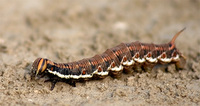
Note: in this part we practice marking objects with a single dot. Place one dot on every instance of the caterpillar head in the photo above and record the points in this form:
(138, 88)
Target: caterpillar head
(39, 66)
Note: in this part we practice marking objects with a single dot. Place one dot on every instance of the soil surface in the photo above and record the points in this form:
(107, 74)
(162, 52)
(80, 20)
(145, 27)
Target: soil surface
(66, 30)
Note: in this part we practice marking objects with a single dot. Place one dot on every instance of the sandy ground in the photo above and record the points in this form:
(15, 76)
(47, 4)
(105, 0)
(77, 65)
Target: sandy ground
(66, 30)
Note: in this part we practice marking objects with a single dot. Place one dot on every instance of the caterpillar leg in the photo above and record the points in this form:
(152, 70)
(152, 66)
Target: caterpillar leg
(147, 67)
(71, 82)
(53, 83)
(128, 70)
(116, 74)
(137, 68)
(55, 80)
(181, 63)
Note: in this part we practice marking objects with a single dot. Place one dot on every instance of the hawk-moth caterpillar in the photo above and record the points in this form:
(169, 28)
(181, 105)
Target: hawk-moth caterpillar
(112, 62)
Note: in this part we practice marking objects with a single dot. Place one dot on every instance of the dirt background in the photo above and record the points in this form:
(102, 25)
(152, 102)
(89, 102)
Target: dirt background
(66, 30)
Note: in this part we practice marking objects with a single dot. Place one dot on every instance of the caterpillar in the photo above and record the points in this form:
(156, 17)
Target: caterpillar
(126, 57)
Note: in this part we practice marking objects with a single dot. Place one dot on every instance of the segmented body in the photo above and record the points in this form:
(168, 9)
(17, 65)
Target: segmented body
(113, 61)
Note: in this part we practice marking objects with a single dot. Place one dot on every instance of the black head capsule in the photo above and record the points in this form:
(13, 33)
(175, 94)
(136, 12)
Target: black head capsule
(38, 67)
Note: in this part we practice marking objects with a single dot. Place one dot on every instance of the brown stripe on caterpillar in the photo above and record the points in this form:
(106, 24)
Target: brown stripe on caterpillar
(39, 66)
(135, 55)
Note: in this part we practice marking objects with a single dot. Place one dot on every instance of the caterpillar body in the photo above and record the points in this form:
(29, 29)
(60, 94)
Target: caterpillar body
(125, 57)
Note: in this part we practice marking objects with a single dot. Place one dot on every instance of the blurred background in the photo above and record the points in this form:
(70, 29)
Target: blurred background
(66, 30)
